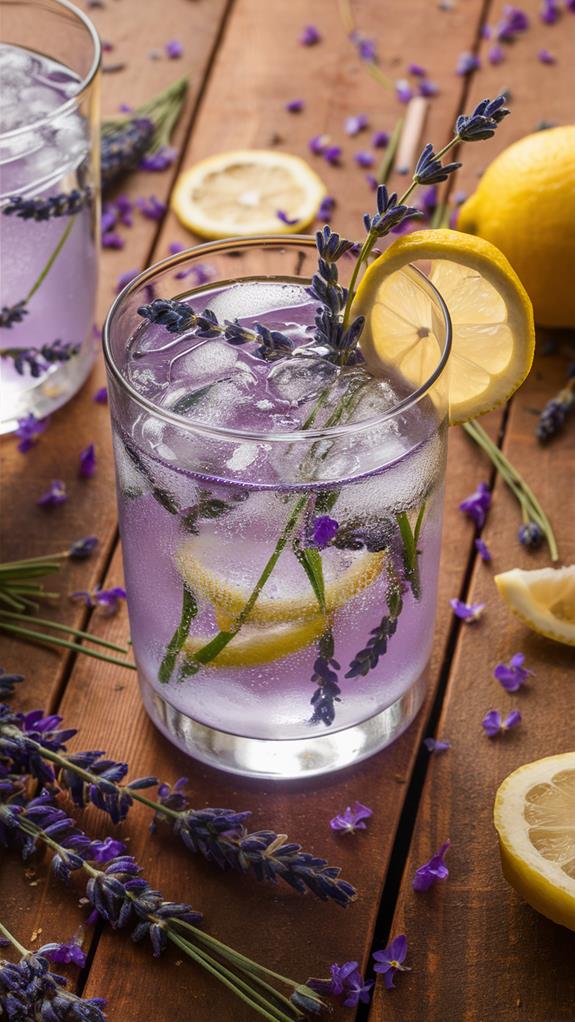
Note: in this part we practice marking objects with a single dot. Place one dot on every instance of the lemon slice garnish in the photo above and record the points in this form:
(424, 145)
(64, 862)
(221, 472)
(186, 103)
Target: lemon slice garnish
(493, 330)
(534, 816)
(254, 646)
(208, 565)
(241, 193)
(543, 598)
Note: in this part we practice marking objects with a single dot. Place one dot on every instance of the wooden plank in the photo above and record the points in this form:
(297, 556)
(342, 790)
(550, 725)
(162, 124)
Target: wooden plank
(91, 508)
(476, 950)
(252, 109)
(30, 905)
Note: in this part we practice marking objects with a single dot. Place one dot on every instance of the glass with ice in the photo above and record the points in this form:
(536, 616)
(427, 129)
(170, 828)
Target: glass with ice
(280, 514)
(49, 173)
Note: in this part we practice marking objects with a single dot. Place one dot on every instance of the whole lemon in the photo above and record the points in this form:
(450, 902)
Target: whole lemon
(525, 204)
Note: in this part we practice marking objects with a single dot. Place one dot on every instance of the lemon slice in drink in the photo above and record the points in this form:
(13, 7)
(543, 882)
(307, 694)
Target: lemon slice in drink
(492, 317)
(225, 577)
(254, 646)
(543, 598)
(241, 193)
(534, 816)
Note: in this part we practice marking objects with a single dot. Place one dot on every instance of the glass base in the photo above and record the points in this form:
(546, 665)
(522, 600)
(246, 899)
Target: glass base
(284, 759)
(49, 392)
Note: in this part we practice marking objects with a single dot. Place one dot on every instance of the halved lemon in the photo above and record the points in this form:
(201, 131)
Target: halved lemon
(543, 598)
(216, 573)
(492, 317)
(254, 646)
(534, 816)
(242, 192)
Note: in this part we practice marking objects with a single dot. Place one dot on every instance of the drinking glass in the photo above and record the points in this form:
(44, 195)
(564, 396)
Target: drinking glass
(49, 177)
(280, 520)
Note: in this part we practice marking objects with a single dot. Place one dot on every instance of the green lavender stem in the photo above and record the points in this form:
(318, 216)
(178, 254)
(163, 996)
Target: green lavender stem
(52, 259)
(50, 640)
(530, 507)
(15, 943)
(390, 151)
(409, 539)
(189, 611)
(78, 633)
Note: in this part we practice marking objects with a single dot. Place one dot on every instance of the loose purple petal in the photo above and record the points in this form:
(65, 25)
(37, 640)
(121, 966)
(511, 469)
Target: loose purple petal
(403, 90)
(87, 462)
(152, 208)
(352, 819)
(493, 724)
(174, 49)
(310, 36)
(111, 239)
(101, 396)
(429, 874)
(467, 63)
(55, 495)
(295, 106)
(380, 139)
(372, 182)
(496, 55)
(436, 745)
(364, 159)
(83, 548)
(546, 57)
(417, 70)
(468, 612)
(390, 961)
(160, 160)
(549, 12)
(354, 125)
(428, 88)
(332, 154)
(326, 208)
(483, 550)
(477, 505)
(28, 430)
(175, 247)
(285, 219)
(513, 675)
(317, 145)
(124, 279)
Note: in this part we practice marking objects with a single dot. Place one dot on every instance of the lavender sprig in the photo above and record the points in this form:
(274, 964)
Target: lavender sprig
(28, 990)
(325, 676)
(40, 208)
(123, 898)
(38, 360)
(368, 658)
(557, 411)
(32, 742)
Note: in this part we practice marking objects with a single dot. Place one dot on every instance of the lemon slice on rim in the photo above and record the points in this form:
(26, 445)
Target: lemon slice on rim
(492, 317)
(543, 598)
(208, 565)
(534, 816)
(241, 193)
(254, 646)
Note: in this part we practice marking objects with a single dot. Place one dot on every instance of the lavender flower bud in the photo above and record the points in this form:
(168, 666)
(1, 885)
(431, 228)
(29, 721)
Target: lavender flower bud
(530, 535)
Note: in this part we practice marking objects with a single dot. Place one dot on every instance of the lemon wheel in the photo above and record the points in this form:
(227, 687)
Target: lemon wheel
(544, 599)
(253, 647)
(534, 816)
(492, 318)
(241, 193)
(206, 565)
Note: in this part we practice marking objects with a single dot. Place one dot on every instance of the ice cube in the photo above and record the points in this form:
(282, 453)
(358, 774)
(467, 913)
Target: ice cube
(39, 100)
(254, 300)
(206, 362)
(298, 379)
(13, 60)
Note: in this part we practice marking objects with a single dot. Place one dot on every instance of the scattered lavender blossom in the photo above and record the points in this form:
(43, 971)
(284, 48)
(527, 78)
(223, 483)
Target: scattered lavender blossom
(403, 90)
(108, 599)
(427, 88)
(512, 675)
(432, 871)
(67, 953)
(285, 219)
(326, 208)
(175, 247)
(391, 959)
(310, 36)
(364, 159)
(332, 154)
(477, 505)
(83, 548)
(124, 279)
(55, 494)
(365, 46)
(496, 54)
(345, 982)
(417, 70)
(545, 56)
(483, 550)
(152, 208)
(87, 465)
(352, 819)
(101, 396)
(324, 531)
(467, 612)
(530, 535)
(111, 239)
(436, 745)
(174, 49)
(295, 106)
(493, 724)
(28, 430)
(549, 12)
(467, 63)
(372, 182)
(380, 139)
(354, 125)
(317, 144)
(513, 20)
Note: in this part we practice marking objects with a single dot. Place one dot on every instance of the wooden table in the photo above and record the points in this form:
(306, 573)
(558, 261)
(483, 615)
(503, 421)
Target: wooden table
(476, 951)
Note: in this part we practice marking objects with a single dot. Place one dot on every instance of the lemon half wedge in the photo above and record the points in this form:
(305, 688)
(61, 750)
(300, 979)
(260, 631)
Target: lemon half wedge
(534, 816)
(543, 598)
(252, 647)
(240, 193)
(492, 317)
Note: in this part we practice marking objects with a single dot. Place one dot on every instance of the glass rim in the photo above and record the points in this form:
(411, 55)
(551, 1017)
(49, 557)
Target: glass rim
(69, 104)
(222, 432)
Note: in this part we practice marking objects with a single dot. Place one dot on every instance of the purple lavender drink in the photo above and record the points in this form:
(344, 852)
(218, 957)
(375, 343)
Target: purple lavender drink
(48, 206)
(280, 519)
